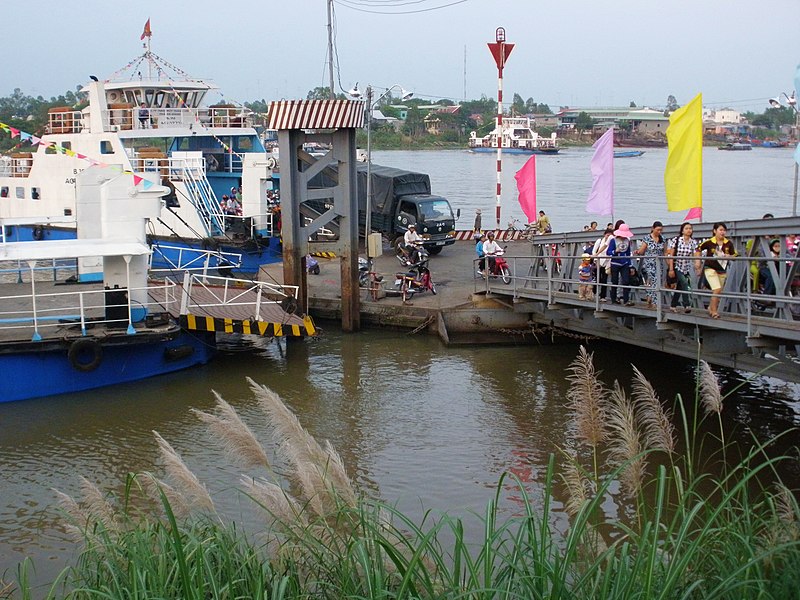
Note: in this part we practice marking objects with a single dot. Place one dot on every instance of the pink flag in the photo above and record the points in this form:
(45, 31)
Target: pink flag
(694, 213)
(601, 198)
(14, 132)
(137, 180)
(526, 185)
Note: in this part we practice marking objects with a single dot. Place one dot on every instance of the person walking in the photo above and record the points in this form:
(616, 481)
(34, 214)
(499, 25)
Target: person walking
(619, 249)
(716, 249)
(603, 262)
(652, 248)
(680, 250)
(476, 229)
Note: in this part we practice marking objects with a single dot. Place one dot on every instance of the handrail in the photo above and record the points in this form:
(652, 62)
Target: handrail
(233, 292)
(50, 311)
(193, 259)
(535, 275)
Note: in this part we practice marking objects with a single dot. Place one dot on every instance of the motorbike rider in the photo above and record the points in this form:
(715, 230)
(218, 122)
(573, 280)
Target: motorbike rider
(410, 240)
(490, 249)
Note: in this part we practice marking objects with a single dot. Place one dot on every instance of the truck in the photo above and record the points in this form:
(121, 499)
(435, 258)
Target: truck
(401, 198)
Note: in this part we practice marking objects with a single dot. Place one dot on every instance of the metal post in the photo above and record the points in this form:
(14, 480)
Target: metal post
(368, 224)
(794, 197)
(330, 47)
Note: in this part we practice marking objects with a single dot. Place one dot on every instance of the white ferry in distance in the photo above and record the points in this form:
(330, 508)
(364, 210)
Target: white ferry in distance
(517, 137)
(152, 117)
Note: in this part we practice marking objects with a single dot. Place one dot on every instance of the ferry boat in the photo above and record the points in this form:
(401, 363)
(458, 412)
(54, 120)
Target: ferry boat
(59, 336)
(736, 146)
(517, 137)
(152, 117)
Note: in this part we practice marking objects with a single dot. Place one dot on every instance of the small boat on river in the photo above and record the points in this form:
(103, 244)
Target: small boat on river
(627, 153)
(516, 137)
(736, 146)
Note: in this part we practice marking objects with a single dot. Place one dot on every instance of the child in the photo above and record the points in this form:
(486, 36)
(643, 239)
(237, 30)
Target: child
(585, 278)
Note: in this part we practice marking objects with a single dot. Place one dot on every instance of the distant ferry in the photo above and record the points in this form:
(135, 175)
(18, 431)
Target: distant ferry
(517, 137)
(736, 146)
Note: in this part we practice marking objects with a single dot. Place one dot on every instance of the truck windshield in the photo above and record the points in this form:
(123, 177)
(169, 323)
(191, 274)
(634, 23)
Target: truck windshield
(435, 210)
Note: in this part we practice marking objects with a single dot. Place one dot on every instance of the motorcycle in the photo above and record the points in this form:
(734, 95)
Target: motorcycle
(312, 265)
(417, 277)
(500, 266)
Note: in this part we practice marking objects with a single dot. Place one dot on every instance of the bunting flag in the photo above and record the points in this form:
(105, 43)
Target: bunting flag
(526, 185)
(694, 213)
(146, 32)
(601, 198)
(683, 175)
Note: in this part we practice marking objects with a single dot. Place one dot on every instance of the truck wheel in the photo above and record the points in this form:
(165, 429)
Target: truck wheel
(433, 250)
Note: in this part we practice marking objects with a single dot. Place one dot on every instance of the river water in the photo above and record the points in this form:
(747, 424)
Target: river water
(417, 423)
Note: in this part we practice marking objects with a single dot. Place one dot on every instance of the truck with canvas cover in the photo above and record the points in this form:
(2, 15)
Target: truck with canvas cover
(401, 198)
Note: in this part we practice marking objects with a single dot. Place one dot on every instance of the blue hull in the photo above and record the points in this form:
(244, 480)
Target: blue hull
(514, 150)
(37, 369)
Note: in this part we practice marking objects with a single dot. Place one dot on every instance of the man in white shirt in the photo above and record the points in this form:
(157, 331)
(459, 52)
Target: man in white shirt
(410, 240)
(490, 249)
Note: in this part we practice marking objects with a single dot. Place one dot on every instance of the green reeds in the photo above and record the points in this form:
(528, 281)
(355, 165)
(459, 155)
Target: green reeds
(677, 533)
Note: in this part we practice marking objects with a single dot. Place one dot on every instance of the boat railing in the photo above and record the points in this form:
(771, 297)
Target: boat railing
(181, 258)
(51, 269)
(261, 224)
(201, 293)
(64, 120)
(52, 313)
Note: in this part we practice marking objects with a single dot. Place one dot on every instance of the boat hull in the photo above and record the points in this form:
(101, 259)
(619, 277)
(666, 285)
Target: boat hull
(484, 150)
(48, 368)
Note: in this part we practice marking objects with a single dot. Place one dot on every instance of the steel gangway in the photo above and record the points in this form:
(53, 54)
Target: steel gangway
(205, 202)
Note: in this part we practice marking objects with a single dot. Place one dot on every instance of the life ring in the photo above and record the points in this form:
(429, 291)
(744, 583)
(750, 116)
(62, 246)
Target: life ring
(85, 354)
(271, 162)
(38, 233)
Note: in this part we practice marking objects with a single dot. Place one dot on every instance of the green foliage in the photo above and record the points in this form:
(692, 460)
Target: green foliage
(323, 93)
(30, 114)
(584, 121)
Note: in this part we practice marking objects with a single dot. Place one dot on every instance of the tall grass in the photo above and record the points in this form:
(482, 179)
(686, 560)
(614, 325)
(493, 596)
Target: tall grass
(679, 534)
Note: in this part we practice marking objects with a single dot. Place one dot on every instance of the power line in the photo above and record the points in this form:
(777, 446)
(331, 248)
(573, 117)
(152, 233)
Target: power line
(354, 5)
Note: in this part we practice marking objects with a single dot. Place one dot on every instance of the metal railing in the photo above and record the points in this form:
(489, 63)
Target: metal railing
(180, 258)
(127, 118)
(225, 291)
(55, 311)
(554, 278)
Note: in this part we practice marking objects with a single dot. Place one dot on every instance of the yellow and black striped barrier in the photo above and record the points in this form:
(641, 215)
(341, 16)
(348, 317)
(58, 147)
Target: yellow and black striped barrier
(262, 328)
(323, 254)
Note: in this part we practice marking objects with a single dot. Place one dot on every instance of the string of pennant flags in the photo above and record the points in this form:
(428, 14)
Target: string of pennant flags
(37, 141)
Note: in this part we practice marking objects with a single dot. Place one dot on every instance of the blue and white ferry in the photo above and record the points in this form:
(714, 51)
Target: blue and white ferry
(151, 117)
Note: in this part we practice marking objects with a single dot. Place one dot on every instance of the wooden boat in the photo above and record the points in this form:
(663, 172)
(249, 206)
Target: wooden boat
(627, 153)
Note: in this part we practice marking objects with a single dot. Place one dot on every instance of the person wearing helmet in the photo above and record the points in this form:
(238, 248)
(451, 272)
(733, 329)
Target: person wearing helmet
(410, 240)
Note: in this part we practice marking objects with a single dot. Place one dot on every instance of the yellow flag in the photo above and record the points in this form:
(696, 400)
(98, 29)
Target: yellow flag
(683, 175)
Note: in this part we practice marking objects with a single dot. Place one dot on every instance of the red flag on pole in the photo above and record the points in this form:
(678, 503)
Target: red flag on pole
(146, 32)
(526, 184)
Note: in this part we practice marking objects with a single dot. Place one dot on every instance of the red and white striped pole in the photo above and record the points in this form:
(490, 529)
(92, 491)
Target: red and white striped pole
(500, 50)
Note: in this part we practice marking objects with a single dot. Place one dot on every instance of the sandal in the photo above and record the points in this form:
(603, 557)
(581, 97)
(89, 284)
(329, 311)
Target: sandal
(714, 315)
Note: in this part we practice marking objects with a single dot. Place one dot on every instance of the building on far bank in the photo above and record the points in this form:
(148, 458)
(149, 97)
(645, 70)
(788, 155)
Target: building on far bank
(637, 120)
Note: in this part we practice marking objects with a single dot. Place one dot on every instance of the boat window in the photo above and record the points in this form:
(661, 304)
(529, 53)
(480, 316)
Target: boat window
(159, 99)
(35, 193)
(21, 193)
(245, 143)
(50, 150)
(148, 97)
(106, 147)
(4, 192)
(190, 99)
(66, 145)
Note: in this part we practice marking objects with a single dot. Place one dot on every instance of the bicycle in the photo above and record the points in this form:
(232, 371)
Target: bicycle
(526, 233)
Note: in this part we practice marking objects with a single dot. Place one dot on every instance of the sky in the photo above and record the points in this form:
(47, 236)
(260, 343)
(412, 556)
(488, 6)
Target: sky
(582, 53)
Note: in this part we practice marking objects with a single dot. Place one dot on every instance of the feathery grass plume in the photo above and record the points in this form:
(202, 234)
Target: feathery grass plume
(237, 439)
(625, 447)
(320, 473)
(654, 420)
(577, 485)
(710, 394)
(276, 501)
(97, 505)
(786, 510)
(154, 487)
(78, 518)
(182, 476)
(587, 398)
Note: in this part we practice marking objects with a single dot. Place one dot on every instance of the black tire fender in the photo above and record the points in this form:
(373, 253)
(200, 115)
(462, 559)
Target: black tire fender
(82, 349)
(38, 233)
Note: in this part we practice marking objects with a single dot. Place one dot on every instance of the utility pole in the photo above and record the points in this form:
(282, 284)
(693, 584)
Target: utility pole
(330, 47)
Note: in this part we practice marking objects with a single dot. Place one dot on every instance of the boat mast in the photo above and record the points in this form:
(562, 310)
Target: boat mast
(330, 47)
